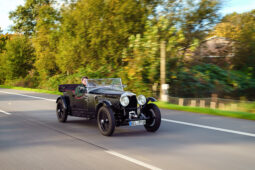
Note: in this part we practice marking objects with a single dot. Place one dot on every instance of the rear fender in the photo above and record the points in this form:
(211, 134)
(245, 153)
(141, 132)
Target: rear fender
(65, 101)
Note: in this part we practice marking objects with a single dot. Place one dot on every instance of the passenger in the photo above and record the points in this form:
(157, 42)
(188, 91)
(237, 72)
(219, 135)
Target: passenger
(81, 89)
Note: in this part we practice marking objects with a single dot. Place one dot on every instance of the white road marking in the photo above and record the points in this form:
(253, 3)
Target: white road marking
(42, 98)
(166, 120)
(163, 119)
(5, 112)
(209, 127)
(133, 160)
(127, 158)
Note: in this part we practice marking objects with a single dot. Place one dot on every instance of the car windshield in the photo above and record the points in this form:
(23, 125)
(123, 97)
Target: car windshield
(112, 83)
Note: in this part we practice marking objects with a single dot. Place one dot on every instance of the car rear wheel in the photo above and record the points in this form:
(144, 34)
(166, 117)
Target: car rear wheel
(106, 121)
(61, 112)
(153, 123)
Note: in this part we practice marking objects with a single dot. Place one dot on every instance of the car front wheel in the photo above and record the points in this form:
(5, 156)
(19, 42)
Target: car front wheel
(61, 112)
(153, 113)
(106, 121)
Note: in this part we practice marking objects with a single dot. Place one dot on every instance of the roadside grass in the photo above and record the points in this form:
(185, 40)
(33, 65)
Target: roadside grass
(31, 89)
(164, 105)
(234, 114)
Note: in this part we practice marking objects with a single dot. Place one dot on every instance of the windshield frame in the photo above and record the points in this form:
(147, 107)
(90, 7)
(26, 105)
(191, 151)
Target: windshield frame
(93, 84)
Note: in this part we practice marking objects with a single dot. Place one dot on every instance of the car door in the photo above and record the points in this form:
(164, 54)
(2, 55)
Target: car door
(79, 105)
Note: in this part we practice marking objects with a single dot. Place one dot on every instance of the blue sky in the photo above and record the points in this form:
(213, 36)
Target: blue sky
(229, 6)
(239, 6)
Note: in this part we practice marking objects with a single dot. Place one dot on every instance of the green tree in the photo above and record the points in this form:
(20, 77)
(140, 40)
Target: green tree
(94, 32)
(18, 58)
(45, 40)
(194, 18)
(25, 17)
(179, 24)
(3, 40)
(240, 29)
(141, 59)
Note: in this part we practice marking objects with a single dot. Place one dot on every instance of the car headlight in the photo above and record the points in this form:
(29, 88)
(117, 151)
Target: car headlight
(124, 100)
(141, 99)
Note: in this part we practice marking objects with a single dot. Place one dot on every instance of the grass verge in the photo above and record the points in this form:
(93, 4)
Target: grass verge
(30, 89)
(165, 105)
(241, 115)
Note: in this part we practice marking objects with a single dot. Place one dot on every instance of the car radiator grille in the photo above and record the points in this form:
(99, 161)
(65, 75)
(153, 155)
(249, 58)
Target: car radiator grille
(132, 102)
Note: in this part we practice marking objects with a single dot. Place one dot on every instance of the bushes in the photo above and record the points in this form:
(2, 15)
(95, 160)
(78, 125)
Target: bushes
(204, 79)
(244, 85)
(31, 80)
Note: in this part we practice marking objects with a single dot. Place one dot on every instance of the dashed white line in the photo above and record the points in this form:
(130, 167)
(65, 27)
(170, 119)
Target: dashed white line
(108, 151)
(210, 127)
(127, 158)
(5, 112)
(133, 160)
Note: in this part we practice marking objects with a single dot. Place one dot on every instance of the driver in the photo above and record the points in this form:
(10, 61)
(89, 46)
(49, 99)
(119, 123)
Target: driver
(82, 88)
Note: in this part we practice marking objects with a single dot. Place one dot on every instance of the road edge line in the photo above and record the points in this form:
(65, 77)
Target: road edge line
(210, 127)
(42, 98)
(163, 119)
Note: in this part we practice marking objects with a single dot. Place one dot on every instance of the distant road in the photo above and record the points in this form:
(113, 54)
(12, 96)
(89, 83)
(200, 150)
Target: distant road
(32, 138)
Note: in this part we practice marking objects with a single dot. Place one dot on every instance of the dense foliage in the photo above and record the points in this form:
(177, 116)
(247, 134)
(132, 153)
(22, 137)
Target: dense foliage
(206, 79)
(241, 29)
(121, 38)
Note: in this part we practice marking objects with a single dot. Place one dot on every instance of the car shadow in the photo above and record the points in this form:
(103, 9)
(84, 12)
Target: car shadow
(83, 122)
(120, 131)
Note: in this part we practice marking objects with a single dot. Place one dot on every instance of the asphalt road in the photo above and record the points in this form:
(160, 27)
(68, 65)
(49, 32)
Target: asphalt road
(32, 138)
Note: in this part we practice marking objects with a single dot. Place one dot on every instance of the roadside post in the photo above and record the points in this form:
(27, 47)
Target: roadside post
(164, 95)
(163, 86)
(181, 101)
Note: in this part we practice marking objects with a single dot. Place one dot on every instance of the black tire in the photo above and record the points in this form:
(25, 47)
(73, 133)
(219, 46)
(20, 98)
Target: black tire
(106, 121)
(61, 112)
(152, 111)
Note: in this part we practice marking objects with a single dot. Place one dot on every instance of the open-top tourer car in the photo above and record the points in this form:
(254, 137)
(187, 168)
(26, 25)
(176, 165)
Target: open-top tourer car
(107, 102)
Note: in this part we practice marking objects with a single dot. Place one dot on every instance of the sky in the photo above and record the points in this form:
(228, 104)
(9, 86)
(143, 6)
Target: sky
(229, 6)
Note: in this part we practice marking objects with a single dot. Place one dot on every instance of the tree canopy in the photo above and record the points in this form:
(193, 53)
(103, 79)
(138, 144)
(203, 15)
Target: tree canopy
(121, 38)
(241, 29)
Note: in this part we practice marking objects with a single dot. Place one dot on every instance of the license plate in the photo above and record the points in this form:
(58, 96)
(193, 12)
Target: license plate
(137, 122)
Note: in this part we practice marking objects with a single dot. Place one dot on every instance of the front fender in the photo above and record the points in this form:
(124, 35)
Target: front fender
(152, 99)
(103, 103)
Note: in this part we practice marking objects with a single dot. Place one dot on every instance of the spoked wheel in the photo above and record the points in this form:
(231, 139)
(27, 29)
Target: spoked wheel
(153, 123)
(61, 112)
(106, 121)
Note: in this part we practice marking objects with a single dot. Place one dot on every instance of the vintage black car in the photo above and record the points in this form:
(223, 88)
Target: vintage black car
(107, 102)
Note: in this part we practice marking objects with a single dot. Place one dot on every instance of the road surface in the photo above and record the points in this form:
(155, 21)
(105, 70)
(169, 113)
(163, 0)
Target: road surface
(32, 138)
